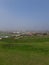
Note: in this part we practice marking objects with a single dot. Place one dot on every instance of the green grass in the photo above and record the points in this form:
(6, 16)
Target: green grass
(25, 51)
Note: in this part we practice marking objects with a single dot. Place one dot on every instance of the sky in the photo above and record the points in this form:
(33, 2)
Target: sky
(22, 15)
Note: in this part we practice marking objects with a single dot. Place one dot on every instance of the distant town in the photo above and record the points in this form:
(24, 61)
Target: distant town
(18, 35)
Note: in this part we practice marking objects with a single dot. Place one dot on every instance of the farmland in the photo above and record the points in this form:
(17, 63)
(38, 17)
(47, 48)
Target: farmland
(27, 50)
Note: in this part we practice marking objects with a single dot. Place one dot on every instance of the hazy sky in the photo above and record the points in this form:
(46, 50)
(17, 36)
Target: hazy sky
(24, 15)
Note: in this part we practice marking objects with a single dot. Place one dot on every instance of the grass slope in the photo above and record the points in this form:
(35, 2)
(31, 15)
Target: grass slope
(25, 51)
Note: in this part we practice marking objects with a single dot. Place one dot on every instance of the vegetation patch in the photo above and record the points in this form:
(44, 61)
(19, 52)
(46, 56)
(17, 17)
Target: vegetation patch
(24, 47)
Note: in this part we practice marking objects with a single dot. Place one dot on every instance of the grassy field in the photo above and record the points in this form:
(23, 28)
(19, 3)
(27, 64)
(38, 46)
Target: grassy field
(25, 51)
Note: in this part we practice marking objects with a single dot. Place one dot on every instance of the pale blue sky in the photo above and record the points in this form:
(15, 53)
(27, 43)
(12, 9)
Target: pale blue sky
(24, 15)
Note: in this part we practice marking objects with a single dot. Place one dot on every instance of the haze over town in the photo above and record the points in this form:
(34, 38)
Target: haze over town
(24, 15)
